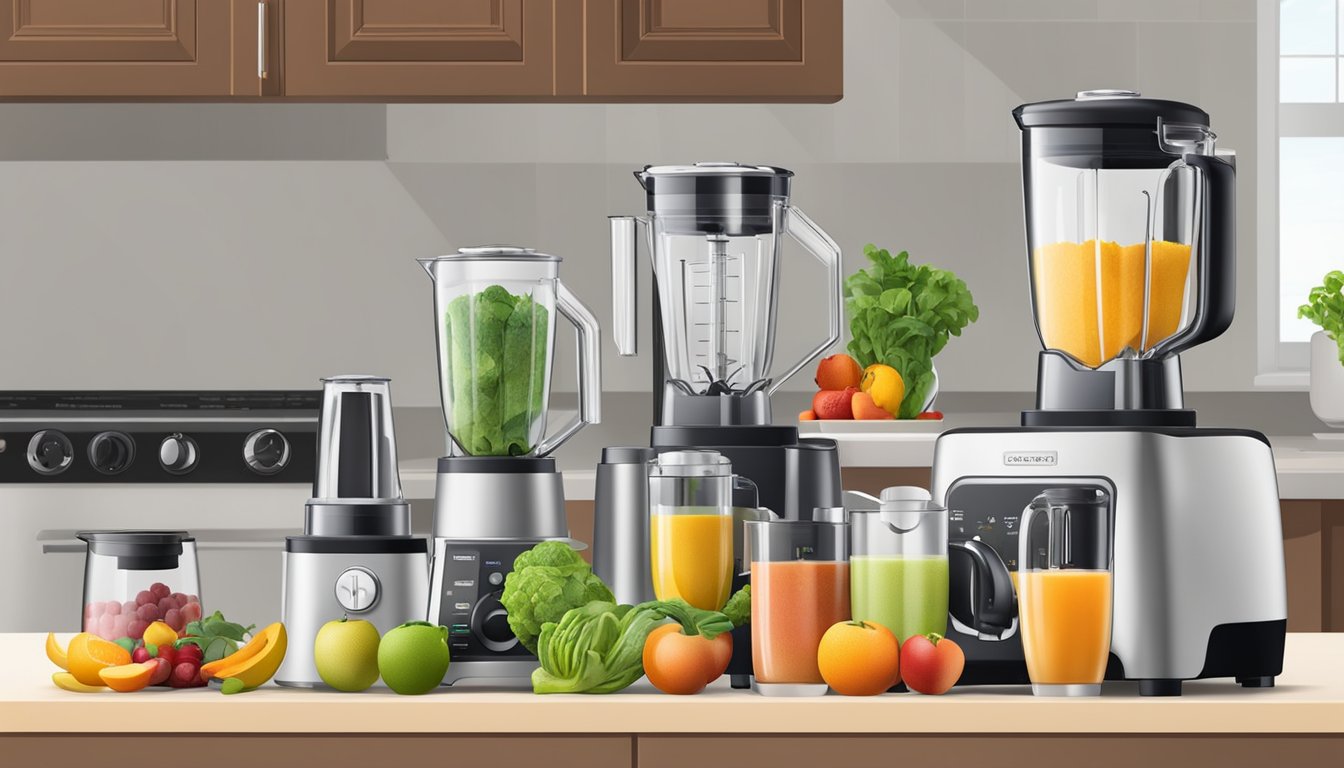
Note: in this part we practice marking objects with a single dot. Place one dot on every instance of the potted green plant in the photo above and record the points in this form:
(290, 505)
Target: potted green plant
(1325, 308)
(901, 315)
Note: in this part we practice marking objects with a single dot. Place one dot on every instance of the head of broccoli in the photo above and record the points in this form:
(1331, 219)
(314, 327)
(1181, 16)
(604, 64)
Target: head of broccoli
(547, 581)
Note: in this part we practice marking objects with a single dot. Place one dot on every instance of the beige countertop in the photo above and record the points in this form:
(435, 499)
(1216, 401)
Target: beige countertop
(1308, 467)
(1309, 699)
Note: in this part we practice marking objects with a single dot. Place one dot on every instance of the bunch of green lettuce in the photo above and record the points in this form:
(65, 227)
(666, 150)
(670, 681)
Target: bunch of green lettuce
(546, 582)
(599, 647)
(901, 315)
(1325, 307)
(497, 368)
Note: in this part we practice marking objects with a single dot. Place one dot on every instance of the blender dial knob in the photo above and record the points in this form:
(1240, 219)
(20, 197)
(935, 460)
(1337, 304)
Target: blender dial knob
(50, 452)
(495, 626)
(178, 454)
(266, 451)
(357, 589)
(111, 452)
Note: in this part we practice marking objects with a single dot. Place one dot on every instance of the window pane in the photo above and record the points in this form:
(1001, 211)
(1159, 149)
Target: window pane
(1306, 80)
(1307, 27)
(1311, 227)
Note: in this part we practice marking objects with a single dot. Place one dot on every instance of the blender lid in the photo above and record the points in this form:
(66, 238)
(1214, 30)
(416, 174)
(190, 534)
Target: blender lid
(355, 378)
(138, 550)
(1109, 107)
(715, 169)
(495, 253)
(690, 463)
(715, 179)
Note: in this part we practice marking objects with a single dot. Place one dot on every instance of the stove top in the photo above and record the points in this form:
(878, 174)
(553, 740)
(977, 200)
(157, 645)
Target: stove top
(160, 400)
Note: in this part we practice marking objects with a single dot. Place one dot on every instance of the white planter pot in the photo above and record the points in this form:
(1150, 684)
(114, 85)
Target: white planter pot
(1327, 380)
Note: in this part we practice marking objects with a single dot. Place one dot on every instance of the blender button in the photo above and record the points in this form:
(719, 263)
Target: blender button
(462, 606)
(460, 646)
(464, 583)
(461, 629)
(495, 578)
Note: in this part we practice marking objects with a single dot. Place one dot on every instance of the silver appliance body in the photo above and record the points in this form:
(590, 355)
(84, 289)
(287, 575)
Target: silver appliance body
(384, 587)
(487, 511)
(1199, 573)
(231, 467)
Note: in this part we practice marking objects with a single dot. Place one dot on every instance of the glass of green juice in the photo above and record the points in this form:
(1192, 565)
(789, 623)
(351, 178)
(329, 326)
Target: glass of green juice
(898, 563)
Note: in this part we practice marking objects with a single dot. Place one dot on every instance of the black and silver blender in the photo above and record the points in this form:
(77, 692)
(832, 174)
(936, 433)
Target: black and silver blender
(715, 238)
(498, 492)
(357, 557)
(1130, 218)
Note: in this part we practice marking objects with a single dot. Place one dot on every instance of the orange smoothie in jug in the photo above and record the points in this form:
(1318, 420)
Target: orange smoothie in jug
(692, 558)
(1066, 625)
(1089, 296)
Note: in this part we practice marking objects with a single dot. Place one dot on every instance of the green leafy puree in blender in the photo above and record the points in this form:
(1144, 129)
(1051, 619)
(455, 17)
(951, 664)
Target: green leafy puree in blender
(497, 364)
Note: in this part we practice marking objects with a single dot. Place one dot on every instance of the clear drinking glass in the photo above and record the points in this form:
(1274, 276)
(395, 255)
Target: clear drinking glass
(494, 310)
(898, 563)
(691, 521)
(1064, 590)
(799, 588)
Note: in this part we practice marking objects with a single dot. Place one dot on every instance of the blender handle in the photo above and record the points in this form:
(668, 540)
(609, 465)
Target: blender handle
(815, 239)
(590, 368)
(1217, 258)
(624, 284)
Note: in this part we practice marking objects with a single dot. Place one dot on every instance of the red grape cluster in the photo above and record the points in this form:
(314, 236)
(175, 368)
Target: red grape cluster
(111, 619)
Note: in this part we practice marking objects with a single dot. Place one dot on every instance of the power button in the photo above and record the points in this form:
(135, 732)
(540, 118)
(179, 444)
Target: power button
(495, 578)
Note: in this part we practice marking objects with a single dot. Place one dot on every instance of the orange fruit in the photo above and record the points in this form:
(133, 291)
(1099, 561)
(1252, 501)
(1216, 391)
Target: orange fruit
(859, 658)
(67, 681)
(89, 654)
(885, 385)
(808, 415)
(126, 678)
(838, 372)
(56, 653)
(865, 409)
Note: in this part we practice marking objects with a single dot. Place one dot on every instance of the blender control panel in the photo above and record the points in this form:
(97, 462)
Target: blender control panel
(471, 583)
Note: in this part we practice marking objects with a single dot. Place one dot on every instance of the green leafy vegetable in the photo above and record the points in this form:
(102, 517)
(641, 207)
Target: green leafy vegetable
(738, 608)
(1325, 307)
(497, 368)
(902, 315)
(547, 581)
(217, 637)
(599, 647)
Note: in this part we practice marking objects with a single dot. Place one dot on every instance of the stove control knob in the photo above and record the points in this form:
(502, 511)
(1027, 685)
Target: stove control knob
(178, 454)
(266, 451)
(111, 452)
(491, 624)
(357, 589)
(50, 452)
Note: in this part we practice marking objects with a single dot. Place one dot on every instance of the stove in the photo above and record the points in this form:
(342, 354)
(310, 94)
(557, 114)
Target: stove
(234, 468)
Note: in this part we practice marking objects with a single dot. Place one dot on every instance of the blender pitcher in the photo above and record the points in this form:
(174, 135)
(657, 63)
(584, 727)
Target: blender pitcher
(494, 311)
(714, 234)
(898, 563)
(1130, 239)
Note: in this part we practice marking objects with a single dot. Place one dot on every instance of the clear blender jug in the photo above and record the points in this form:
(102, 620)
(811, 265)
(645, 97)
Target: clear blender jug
(1130, 221)
(715, 232)
(494, 313)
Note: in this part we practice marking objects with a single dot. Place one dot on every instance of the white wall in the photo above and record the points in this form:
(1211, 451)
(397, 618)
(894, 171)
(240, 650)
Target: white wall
(264, 246)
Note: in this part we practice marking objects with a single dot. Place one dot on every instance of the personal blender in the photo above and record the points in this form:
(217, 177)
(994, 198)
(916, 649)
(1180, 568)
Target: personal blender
(498, 492)
(715, 238)
(1130, 223)
(357, 557)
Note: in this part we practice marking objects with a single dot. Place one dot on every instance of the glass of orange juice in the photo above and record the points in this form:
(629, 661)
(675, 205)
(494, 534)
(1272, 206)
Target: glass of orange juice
(1064, 590)
(691, 526)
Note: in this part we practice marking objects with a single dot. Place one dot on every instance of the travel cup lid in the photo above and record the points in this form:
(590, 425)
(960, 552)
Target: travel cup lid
(690, 463)
(138, 550)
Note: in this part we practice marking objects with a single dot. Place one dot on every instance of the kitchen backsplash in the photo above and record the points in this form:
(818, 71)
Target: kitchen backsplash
(144, 261)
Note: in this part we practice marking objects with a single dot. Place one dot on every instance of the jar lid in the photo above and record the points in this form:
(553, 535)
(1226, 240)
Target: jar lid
(494, 253)
(1108, 108)
(138, 550)
(690, 463)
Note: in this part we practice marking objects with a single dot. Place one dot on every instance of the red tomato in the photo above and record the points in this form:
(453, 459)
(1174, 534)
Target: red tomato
(927, 415)
(684, 664)
(931, 663)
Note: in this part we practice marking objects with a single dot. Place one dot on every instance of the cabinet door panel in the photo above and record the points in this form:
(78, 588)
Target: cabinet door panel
(768, 50)
(115, 48)
(411, 48)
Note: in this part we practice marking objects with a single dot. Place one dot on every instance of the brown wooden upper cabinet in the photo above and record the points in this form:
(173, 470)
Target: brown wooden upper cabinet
(430, 50)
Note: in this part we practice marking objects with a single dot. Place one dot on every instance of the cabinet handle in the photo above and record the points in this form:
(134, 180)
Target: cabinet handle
(261, 40)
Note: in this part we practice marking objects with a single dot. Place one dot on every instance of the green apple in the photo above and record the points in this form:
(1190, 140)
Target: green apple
(413, 658)
(346, 654)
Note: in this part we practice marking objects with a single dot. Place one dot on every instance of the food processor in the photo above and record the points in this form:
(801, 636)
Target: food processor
(356, 557)
(716, 234)
(1130, 221)
(498, 492)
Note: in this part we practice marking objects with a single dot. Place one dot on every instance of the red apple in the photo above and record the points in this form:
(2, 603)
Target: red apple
(931, 663)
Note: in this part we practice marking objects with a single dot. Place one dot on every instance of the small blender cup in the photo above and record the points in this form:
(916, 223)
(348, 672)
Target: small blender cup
(898, 563)
(691, 522)
(799, 588)
(1064, 590)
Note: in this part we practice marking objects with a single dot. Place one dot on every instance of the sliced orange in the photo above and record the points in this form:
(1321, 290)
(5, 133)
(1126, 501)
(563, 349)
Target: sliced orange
(68, 682)
(89, 654)
(126, 678)
(56, 653)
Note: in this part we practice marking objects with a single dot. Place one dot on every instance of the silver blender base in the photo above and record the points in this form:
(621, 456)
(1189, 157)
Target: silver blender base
(1068, 689)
